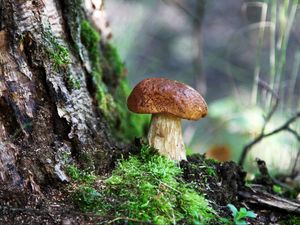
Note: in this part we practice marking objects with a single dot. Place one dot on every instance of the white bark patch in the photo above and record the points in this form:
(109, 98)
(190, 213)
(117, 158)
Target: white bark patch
(54, 17)
(26, 16)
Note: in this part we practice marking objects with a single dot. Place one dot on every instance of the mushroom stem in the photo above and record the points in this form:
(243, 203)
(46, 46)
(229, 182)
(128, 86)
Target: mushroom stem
(166, 136)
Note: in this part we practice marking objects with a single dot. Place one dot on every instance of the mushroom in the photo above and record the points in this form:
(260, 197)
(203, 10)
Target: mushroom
(168, 101)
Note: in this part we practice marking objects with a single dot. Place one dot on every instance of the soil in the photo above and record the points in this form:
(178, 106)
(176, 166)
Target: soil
(219, 182)
(223, 187)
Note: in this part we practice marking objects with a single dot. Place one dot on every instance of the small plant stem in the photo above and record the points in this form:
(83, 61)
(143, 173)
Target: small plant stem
(286, 31)
(264, 9)
(272, 57)
(293, 79)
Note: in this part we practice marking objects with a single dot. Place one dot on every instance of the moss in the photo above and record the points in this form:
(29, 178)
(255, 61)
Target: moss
(290, 220)
(73, 13)
(60, 57)
(73, 82)
(131, 124)
(146, 187)
(85, 197)
(128, 125)
(58, 53)
(112, 102)
(90, 39)
(86, 160)
(112, 62)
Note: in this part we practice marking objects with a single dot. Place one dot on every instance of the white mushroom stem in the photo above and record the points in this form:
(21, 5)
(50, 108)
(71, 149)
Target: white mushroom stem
(165, 135)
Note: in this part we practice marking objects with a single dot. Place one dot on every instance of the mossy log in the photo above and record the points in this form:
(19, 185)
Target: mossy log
(55, 96)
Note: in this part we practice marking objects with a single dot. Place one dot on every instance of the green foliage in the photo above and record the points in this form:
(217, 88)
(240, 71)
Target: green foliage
(90, 38)
(113, 60)
(87, 198)
(128, 125)
(277, 189)
(239, 216)
(146, 187)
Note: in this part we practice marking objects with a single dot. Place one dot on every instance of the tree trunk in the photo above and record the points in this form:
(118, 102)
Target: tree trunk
(57, 83)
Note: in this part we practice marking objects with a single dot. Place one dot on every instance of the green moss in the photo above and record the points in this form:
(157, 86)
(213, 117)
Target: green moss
(125, 125)
(85, 196)
(112, 61)
(80, 175)
(72, 81)
(131, 124)
(147, 187)
(58, 53)
(90, 39)
(60, 57)
(86, 160)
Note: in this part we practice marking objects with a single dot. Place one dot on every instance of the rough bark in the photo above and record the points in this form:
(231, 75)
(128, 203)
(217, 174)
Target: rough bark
(48, 110)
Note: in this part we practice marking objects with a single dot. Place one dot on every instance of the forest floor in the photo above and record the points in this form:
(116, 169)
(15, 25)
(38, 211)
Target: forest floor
(220, 183)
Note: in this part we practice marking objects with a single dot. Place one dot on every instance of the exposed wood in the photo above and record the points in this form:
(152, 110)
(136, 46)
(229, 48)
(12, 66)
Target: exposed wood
(257, 196)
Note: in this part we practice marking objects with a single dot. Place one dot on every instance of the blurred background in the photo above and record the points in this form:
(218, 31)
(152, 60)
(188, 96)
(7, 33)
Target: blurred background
(242, 56)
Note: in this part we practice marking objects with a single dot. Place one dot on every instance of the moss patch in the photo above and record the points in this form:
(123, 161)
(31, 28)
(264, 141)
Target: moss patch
(147, 187)
(131, 125)
(126, 125)
(91, 40)
(112, 87)
(60, 57)
(58, 53)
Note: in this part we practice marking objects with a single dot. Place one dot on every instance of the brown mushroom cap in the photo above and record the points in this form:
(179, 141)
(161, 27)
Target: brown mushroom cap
(160, 95)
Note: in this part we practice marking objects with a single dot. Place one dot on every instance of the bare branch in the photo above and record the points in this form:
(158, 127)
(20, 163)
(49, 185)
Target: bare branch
(284, 127)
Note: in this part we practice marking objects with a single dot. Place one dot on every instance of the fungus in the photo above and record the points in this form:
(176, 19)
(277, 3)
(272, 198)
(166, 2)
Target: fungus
(168, 101)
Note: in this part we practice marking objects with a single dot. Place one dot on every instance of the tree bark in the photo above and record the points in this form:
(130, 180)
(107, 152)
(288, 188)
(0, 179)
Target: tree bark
(49, 112)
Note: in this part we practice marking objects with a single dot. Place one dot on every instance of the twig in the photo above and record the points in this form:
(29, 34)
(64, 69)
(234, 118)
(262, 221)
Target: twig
(127, 219)
(284, 127)
(257, 196)
(263, 134)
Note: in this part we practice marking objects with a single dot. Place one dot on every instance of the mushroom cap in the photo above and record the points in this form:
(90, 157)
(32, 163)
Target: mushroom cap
(160, 95)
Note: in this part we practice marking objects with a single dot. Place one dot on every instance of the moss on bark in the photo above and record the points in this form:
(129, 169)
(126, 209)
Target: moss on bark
(112, 88)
